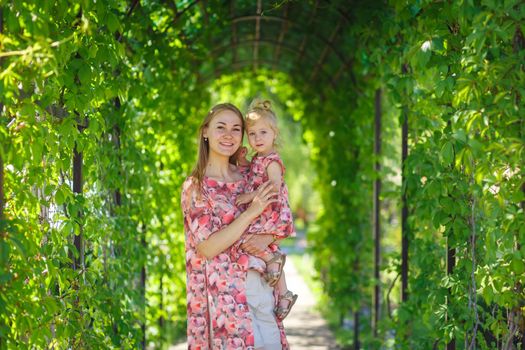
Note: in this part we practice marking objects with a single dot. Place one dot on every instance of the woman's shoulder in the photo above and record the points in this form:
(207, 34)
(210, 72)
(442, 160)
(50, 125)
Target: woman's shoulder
(189, 187)
(189, 183)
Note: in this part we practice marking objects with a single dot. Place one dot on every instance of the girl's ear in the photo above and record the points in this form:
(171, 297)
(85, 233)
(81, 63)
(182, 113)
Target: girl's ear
(205, 132)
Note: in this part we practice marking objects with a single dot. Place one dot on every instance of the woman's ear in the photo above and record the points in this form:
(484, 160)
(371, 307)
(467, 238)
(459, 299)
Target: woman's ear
(205, 132)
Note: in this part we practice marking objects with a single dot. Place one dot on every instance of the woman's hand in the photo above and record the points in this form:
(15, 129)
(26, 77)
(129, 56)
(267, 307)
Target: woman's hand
(244, 198)
(264, 196)
(255, 244)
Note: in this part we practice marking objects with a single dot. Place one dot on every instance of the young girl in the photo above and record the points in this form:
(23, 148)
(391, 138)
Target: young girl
(261, 127)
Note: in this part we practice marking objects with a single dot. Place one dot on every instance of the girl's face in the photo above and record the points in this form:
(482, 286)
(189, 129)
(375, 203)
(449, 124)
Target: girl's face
(224, 133)
(261, 136)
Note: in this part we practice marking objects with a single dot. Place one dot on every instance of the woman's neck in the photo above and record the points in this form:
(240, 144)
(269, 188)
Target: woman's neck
(218, 167)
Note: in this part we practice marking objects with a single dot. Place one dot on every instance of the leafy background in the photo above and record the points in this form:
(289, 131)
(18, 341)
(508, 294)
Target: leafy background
(117, 86)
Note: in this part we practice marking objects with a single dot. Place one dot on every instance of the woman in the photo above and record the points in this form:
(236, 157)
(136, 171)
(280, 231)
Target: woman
(217, 268)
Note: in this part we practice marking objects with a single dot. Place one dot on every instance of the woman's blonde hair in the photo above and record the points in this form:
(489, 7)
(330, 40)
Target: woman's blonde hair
(262, 109)
(204, 147)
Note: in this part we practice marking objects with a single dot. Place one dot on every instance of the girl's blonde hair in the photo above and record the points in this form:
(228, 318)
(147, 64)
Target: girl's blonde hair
(204, 147)
(262, 109)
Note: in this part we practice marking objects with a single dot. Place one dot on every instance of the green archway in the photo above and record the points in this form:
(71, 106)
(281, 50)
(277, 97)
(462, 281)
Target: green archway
(98, 100)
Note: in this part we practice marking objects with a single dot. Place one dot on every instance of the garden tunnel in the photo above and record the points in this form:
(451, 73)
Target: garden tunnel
(413, 112)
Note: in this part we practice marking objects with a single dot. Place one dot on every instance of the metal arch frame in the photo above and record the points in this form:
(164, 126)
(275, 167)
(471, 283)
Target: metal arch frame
(328, 43)
(286, 23)
(310, 21)
(257, 34)
(284, 30)
(292, 24)
(289, 48)
(264, 42)
(343, 15)
(246, 63)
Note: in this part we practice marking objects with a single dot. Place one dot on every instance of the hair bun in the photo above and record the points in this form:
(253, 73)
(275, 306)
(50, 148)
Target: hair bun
(261, 104)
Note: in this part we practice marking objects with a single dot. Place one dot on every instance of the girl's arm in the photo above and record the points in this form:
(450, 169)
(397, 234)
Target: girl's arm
(219, 241)
(275, 174)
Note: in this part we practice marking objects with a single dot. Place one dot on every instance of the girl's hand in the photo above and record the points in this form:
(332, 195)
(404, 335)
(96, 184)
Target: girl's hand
(241, 158)
(243, 152)
(264, 196)
(244, 198)
(256, 244)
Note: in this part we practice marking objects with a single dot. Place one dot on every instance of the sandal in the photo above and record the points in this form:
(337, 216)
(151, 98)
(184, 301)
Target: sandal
(282, 312)
(273, 276)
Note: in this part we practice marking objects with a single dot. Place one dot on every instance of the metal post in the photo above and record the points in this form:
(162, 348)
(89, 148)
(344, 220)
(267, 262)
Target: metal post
(357, 346)
(404, 210)
(451, 263)
(143, 286)
(77, 189)
(377, 212)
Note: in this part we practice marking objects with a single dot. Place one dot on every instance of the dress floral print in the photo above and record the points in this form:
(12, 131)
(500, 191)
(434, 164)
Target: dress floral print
(277, 217)
(218, 314)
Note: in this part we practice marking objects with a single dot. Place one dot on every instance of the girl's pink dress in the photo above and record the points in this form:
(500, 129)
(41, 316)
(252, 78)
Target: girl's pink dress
(218, 314)
(277, 217)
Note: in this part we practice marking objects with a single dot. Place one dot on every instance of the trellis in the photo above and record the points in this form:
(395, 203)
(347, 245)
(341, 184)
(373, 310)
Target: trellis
(318, 44)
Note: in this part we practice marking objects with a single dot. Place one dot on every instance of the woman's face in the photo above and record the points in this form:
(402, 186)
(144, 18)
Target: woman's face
(224, 133)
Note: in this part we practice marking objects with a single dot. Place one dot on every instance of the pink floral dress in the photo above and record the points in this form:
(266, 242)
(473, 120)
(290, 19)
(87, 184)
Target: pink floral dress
(277, 217)
(218, 314)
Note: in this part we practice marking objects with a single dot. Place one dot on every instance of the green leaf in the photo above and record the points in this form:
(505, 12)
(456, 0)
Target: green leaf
(112, 22)
(19, 244)
(84, 74)
(517, 265)
(460, 136)
(59, 197)
(93, 49)
(447, 152)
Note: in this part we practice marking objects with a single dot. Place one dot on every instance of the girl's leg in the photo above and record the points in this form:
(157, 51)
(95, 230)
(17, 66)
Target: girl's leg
(281, 286)
(267, 335)
(285, 300)
(274, 267)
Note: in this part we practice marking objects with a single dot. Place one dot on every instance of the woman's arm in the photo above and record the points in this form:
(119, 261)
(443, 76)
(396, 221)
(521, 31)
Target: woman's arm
(218, 241)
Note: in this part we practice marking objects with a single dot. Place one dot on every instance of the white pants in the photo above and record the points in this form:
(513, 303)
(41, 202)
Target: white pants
(261, 303)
